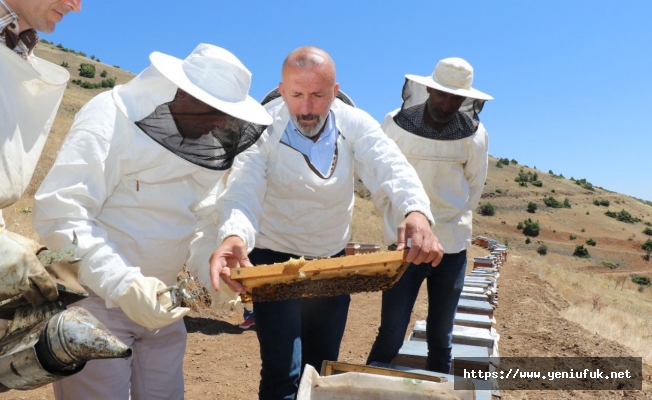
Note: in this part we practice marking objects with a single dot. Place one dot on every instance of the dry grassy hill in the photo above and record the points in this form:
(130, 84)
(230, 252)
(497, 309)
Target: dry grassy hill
(616, 242)
(550, 305)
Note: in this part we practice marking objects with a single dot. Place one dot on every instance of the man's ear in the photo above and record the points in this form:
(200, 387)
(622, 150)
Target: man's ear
(336, 89)
(280, 89)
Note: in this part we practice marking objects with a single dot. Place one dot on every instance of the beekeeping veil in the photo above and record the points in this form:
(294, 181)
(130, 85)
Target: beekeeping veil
(213, 76)
(29, 98)
(451, 75)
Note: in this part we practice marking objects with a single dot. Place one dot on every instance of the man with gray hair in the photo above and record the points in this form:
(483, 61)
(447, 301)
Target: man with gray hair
(291, 195)
(439, 131)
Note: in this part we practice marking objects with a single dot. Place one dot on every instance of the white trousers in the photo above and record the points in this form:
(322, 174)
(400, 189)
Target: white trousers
(154, 371)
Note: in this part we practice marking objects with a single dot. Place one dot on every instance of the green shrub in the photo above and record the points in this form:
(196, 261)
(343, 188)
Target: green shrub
(531, 228)
(65, 64)
(572, 237)
(514, 161)
(531, 207)
(641, 280)
(104, 73)
(567, 203)
(647, 231)
(647, 245)
(519, 226)
(499, 191)
(604, 203)
(552, 202)
(623, 216)
(527, 240)
(504, 161)
(581, 252)
(537, 183)
(487, 209)
(542, 249)
(108, 83)
(87, 70)
(609, 264)
(596, 203)
(584, 184)
(591, 242)
(499, 164)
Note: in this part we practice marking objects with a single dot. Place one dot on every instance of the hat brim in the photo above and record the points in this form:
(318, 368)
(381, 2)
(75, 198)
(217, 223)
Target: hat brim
(248, 109)
(428, 81)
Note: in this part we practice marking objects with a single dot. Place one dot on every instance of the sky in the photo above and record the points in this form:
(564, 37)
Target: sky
(571, 79)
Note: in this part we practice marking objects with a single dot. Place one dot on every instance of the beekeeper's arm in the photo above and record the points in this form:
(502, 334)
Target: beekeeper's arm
(383, 168)
(201, 250)
(239, 208)
(475, 168)
(84, 175)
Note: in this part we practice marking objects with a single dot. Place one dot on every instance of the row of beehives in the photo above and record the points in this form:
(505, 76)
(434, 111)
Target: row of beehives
(474, 337)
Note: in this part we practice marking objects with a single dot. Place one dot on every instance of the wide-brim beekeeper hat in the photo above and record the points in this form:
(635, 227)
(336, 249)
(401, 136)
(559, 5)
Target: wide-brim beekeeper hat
(452, 75)
(216, 77)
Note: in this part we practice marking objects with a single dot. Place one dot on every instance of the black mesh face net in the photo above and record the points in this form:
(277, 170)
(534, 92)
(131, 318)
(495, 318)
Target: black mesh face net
(415, 94)
(214, 150)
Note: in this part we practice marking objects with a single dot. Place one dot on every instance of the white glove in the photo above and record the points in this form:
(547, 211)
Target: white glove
(225, 298)
(21, 272)
(142, 305)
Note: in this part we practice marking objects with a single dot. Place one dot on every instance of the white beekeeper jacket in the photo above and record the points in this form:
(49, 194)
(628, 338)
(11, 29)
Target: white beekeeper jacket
(29, 98)
(276, 200)
(453, 173)
(136, 207)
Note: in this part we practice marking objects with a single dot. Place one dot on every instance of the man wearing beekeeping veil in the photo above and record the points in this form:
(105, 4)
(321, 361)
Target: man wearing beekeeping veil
(31, 90)
(136, 179)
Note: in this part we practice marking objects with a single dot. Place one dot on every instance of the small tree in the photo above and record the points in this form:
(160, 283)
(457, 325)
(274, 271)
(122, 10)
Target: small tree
(527, 240)
(531, 228)
(531, 207)
(581, 252)
(87, 70)
(647, 245)
(567, 203)
(542, 249)
(103, 74)
(487, 209)
(591, 242)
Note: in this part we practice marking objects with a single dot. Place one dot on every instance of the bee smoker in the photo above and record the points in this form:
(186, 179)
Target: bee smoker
(49, 342)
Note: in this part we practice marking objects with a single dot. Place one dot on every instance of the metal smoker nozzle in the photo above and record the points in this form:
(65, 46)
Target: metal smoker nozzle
(45, 347)
(74, 336)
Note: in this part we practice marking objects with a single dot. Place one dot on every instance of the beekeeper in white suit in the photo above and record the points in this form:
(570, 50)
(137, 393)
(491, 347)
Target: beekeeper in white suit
(136, 178)
(29, 97)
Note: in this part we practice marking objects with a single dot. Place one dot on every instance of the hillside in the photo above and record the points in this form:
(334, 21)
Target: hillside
(549, 305)
(617, 242)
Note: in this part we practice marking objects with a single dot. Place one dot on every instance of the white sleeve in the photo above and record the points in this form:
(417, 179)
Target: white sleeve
(85, 173)
(382, 167)
(475, 169)
(240, 206)
(203, 245)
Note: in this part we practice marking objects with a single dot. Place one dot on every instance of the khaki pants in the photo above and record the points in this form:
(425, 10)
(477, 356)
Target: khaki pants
(154, 371)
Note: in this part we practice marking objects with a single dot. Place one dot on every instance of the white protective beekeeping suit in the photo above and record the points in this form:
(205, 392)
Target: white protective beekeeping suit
(29, 98)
